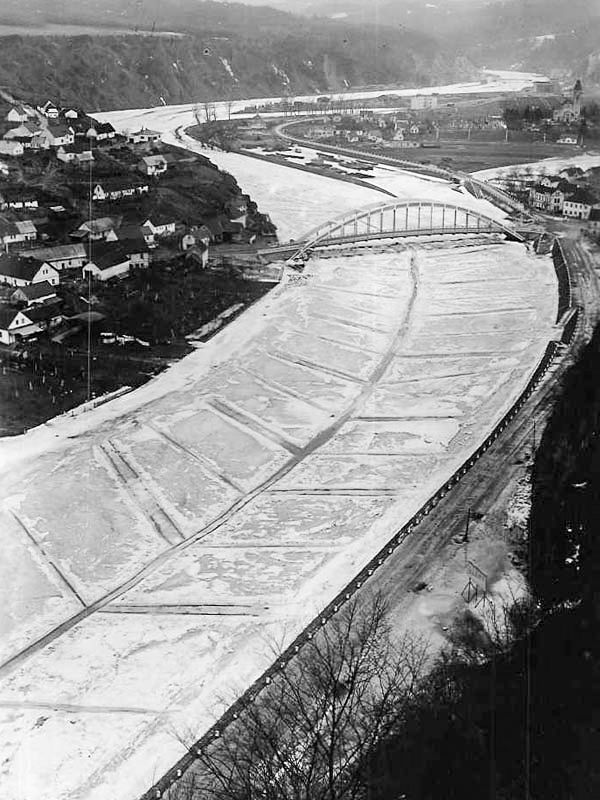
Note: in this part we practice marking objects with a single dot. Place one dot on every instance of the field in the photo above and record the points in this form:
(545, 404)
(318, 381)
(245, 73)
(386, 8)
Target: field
(174, 537)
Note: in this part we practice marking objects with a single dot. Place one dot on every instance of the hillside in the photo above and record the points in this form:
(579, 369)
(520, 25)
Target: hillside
(111, 72)
(537, 35)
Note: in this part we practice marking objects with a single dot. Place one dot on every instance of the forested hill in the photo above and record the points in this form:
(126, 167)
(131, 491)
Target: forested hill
(109, 71)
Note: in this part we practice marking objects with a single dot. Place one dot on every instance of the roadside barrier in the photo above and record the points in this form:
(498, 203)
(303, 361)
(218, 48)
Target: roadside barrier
(564, 281)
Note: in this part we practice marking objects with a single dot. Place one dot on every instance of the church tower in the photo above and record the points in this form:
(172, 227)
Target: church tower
(577, 93)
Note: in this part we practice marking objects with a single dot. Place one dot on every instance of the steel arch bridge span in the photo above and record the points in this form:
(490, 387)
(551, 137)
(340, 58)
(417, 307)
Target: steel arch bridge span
(403, 218)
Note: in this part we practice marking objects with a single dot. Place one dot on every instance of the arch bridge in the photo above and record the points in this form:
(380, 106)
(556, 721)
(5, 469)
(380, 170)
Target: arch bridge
(399, 219)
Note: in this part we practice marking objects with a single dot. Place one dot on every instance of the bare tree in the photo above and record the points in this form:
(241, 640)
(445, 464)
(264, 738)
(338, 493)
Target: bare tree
(308, 734)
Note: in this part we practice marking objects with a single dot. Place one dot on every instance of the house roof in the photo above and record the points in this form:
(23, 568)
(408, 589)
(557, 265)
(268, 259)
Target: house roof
(107, 255)
(37, 290)
(133, 245)
(7, 315)
(583, 196)
(26, 226)
(22, 131)
(153, 161)
(41, 312)
(595, 215)
(100, 225)
(103, 127)
(59, 130)
(145, 132)
(18, 267)
(58, 252)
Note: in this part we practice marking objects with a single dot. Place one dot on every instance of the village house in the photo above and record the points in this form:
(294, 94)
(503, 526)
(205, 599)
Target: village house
(61, 256)
(97, 229)
(22, 133)
(34, 294)
(17, 197)
(143, 136)
(12, 233)
(79, 153)
(104, 131)
(579, 205)
(17, 114)
(546, 196)
(136, 249)
(49, 110)
(153, 165)
(4, 169)
(11, 148)
(594, 222)
(106, 262)
(60, 135)
(69, 113)
(16, 325)
(19, 271)
(119, 188)
(160, 224)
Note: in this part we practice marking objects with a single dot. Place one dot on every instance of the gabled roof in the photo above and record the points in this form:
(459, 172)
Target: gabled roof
(153, 161)
(103, 127)
(7, 315)
(41, 312)
(59, 130)
(58, 253)
(595, 215)
(100, 225)
(37, 290)
(584, 196)
(18, 267)
(26, 226)
(107, 255)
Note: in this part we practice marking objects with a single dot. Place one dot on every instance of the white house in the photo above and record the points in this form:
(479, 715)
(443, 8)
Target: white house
(96, 229)
(579, 205)
(49, 110)
(17, 114)
(22, 133)
(143, 136)
(75, 153)
(60, 135)
(153, 165)
(27, 322)
(11, 148)
(106, 263)
(160, 225)
(19, 271)
(34, 294)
